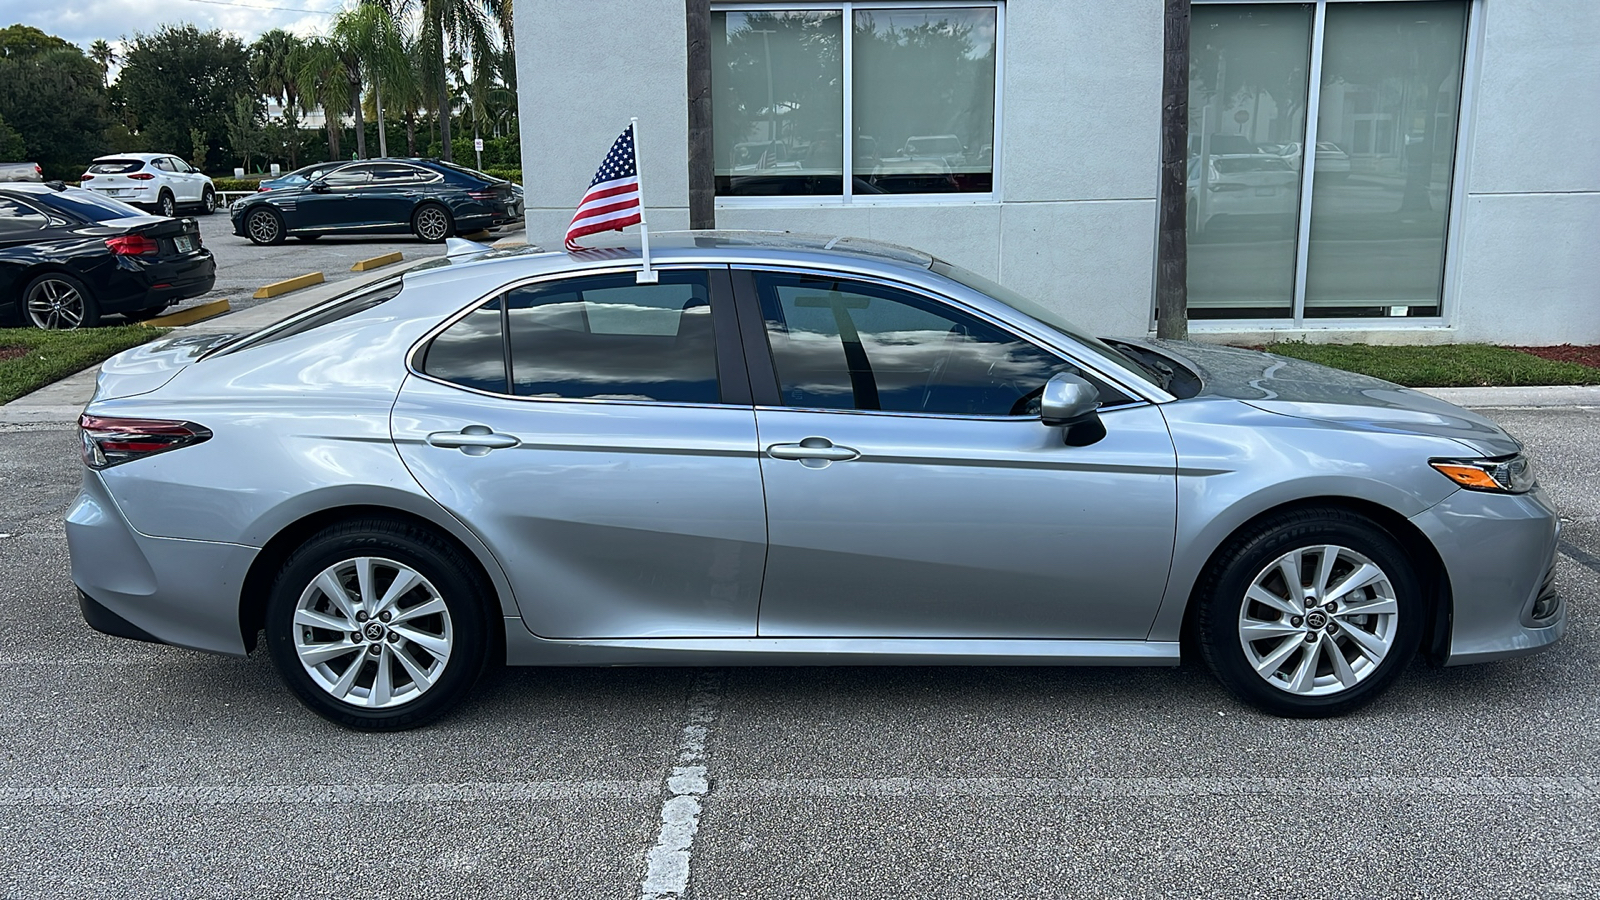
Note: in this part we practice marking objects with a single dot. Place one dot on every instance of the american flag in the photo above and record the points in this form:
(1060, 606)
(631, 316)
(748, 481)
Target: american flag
(612, 202)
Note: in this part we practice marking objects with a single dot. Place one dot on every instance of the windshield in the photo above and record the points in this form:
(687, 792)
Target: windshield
(116, 166)
(1048, 316)
(91, 206)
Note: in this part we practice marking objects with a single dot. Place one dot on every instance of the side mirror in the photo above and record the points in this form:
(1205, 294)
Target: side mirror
(1073, 404)
(319, 187)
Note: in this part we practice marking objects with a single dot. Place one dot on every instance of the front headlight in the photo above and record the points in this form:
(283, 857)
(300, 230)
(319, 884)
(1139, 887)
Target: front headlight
(1502, 475)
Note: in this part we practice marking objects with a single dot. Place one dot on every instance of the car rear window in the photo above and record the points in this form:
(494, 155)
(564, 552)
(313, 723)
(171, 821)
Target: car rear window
(338, 308)
(116, 166)
(90, 206)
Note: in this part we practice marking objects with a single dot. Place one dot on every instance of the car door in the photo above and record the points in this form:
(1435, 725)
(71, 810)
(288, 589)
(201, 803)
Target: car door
(337, 201)
(194, 181)
(172, 175)
(22, 228)
(598, 435)
(912, 490)
(393, 191)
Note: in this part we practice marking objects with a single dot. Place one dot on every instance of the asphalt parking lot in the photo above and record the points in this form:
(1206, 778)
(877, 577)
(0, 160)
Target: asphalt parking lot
(132, 770)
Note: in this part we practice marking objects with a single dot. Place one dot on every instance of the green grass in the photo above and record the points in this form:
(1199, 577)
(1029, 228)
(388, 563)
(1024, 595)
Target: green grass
(53, 355)
(1448, 365)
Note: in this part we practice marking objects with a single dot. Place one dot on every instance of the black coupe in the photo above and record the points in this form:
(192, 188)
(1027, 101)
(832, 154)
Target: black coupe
(68, 255)
(428, 198)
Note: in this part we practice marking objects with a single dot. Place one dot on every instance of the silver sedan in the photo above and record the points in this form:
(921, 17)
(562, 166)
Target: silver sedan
(775, 449)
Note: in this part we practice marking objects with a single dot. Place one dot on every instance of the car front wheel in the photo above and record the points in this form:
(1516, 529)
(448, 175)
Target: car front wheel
(1310, 613)
(264, 227)
(378, 625)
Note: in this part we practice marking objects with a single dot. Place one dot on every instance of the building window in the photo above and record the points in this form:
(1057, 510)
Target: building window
(900, 102)
(1375, 88)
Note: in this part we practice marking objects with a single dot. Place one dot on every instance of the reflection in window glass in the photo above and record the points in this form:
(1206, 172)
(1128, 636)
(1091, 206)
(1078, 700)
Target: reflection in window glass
(844, 345)
(607, 337)
(471, 352)
(15, 217)
(1247, 104)
(924, 99)
(777, 87)
(1386, 138)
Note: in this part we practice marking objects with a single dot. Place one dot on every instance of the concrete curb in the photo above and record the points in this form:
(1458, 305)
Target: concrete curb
(268, 291)
(1574, 396)
(189, 316)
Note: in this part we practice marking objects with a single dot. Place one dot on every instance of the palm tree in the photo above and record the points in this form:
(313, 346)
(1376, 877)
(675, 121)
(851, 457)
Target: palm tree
(101, 52)
(272, 66)
(468, 27)
(321, 79)
(370, 34)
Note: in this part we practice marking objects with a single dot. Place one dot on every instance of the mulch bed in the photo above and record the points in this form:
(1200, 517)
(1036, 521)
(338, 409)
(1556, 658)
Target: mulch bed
(1583, 356)
(12, 353)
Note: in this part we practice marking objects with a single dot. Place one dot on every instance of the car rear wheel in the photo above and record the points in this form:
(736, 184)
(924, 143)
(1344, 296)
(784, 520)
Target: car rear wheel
(208, 202)
(1310, 613)
(264, 227)
(58, 302)
(167, 205)
(378, 625)
(432, 223)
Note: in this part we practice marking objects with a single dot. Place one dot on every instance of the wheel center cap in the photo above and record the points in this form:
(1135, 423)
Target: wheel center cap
(1316, 619)
(374, 631)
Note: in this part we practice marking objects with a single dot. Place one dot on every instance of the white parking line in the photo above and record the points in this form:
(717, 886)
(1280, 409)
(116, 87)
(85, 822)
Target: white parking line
(667, 863)
(1101, 788)
(228, 795)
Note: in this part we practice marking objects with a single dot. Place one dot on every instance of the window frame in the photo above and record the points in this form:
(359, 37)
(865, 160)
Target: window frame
(848, 197)
(1449, 291)
(763, 366)
(733, 380)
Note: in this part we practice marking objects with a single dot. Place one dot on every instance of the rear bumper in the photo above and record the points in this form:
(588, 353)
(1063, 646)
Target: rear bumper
(1498, 552)
(135, 283)
(172, 591)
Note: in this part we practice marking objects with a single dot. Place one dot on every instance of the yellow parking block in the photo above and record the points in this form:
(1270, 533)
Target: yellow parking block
(188, 316)
(377, 261)
(291, 284)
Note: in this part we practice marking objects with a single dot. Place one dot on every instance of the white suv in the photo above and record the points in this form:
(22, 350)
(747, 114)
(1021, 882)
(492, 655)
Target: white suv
(159, 181)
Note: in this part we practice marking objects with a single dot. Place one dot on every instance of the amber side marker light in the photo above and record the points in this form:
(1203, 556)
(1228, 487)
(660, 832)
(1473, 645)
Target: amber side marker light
(1467, 476)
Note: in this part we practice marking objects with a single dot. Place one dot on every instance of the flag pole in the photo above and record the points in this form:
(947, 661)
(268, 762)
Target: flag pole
(646, 274)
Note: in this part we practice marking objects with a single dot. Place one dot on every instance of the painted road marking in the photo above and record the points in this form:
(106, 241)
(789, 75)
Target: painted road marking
(667, 863)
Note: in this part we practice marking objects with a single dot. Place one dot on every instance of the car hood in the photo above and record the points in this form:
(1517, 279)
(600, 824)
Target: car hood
(149, 366)
(1293, 387)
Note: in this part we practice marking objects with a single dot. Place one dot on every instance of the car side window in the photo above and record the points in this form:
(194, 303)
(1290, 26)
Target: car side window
(472, 352)
(350, 176)
(399, 174)
(839, 344)
(18, 218)
(606, 337)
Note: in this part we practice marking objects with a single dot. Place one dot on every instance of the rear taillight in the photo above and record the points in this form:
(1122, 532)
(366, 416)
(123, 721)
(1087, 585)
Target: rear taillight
(486, 196)
(133, 245)
(262, 190)
(86, 177)
(141, 176)
(109, 441)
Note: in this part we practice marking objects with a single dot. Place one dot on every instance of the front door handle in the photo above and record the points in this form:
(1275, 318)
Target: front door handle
(814, 452)
(473, 440)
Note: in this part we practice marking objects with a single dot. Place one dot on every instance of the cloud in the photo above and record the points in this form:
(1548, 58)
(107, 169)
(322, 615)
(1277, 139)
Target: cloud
(84, 21)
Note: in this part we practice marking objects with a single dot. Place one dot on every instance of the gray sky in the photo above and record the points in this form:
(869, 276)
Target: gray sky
(82, 21)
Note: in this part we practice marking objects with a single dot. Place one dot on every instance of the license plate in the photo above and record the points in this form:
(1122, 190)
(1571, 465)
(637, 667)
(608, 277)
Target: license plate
(185, 243)
(116, 192)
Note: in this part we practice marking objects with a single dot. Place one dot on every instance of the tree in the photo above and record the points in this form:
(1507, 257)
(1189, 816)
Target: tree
(179, 80)
(272, 67)
(101, 52)
(369, 34)
(244, 130)
(11, 144)
(465, 27)
(54, 98)
(320, 78)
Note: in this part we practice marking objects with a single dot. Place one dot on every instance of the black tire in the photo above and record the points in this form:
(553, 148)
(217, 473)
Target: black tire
(465, 624)
(149, 312)
(56, 301)
(167, 205)
(432, 223)
(1251, 556)
(208, 202)
(264, 227)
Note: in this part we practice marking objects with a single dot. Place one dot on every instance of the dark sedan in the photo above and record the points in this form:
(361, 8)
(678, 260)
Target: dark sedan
(67, 256)
(430, 199)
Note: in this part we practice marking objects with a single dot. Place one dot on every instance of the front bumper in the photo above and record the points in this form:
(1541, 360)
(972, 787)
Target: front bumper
(179, 592)
(1498, 552)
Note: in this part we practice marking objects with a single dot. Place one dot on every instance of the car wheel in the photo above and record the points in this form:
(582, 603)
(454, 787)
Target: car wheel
(167, 205)
(149, 312)
(378, 625)
(56, 301)
(1310, 613)
(264, 227)
(432, 223)
(208, 202)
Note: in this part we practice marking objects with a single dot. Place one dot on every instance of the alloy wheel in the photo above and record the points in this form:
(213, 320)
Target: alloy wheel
(169, 207)
(55, 304)
(1318, 620)
(432, 224)
(263, 227)
(372, 632)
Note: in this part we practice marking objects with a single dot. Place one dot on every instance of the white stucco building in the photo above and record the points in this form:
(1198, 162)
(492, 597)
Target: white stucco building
(1454, 194)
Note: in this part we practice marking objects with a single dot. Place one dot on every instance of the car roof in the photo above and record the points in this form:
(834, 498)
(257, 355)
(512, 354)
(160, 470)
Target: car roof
(40, 187)
(141, 156)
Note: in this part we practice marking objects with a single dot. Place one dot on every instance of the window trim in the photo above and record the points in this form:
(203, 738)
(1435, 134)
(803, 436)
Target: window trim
(732, 375)
(770, 394)
(848, 197)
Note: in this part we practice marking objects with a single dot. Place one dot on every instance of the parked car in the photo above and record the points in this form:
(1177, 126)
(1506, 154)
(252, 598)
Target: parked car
(21, 171)
(155, 181)
(785, 450)
(69, 256)
(302, 175)
(1332, 162)
(428, 198)
(1240, 188)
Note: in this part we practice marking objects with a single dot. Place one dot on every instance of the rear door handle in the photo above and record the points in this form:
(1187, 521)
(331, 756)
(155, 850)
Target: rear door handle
(814, 451)
(473, 440)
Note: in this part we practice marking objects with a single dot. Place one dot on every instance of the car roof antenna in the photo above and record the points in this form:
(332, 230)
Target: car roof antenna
(454, 247)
